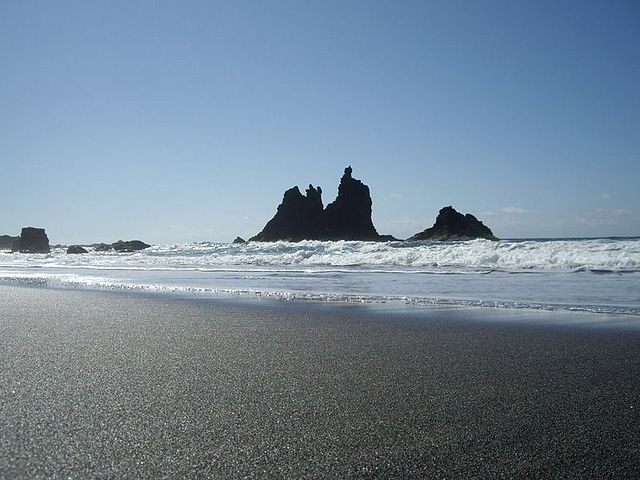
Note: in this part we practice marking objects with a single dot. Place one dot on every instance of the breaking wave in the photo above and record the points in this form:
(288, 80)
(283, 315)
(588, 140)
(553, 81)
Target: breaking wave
(595, 275)
(596, 255)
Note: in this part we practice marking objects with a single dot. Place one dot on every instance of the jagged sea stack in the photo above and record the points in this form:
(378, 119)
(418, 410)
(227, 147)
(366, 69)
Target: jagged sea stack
(302, 217)
(32, 240)
(348, 217)
(452, 225)
(299, 217)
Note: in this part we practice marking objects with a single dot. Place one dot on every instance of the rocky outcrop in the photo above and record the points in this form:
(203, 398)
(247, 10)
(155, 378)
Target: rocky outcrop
(299, 217)
(121, 246)
(6, 242)
(129, 246)
(348, 217)
(302, 217)
(76, 249)
(32, 240)
(452, 225)
(239, 240)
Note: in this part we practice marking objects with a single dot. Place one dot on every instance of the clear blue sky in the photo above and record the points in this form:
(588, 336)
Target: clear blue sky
(187, 120)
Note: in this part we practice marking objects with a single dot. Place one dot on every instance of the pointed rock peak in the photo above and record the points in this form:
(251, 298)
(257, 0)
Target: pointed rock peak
(313, 192)
(291, 193)
(298, 217)
(348, 217)
(447, 214)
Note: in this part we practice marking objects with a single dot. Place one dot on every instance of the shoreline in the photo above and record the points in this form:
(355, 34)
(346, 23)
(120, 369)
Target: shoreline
(111, 384)
(626, 316)
(600, 276)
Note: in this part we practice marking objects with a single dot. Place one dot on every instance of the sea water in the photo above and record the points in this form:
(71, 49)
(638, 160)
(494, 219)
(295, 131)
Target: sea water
(596, 275)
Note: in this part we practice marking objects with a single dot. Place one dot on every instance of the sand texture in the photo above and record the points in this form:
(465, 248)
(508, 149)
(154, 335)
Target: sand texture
(106, 385)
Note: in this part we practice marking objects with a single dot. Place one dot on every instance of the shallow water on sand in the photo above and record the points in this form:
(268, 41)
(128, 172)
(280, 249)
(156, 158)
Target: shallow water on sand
(596, 275)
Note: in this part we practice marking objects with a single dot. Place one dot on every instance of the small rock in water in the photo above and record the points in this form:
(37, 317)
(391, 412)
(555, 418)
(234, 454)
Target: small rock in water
(76, 249)
(129, 246)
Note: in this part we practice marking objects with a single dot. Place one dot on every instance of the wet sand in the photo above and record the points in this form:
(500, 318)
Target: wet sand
(108, 385)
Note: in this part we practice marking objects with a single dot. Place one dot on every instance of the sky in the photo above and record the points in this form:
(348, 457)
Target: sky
(186, 121)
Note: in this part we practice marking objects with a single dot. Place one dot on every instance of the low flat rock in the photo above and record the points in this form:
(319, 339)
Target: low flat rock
(7, 241)
(129, 245)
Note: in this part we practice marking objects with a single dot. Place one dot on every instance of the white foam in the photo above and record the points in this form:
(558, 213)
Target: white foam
(478, 255)
(478, 272)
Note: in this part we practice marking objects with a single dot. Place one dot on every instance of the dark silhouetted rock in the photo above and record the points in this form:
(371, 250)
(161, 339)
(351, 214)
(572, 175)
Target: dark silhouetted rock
(32, 240)
(76, 249)
(129, 246)
(7, 241)
(102, 247)
(239, 240)
(348, 217)
(386, 238)
(299, 217)
(452, 225)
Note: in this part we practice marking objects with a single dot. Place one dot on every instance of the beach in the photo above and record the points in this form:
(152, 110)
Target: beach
(98, 384)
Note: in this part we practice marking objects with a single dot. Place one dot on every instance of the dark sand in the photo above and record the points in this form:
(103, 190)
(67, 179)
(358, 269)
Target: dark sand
(121, 386)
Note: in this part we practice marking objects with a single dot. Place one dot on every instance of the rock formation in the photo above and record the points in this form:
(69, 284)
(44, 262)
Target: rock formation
(129, 246)
(76, 249)
(348, 217)
(32, 240)
(120, 246)
(452, 225)
(239, 240)
(299, 217)
(302, 217)
(6, 242)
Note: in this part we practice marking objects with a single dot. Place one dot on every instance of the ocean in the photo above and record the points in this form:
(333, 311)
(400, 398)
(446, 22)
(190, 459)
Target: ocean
(600, 275)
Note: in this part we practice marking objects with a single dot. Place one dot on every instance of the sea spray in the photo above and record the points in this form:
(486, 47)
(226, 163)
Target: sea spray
(601, 275)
